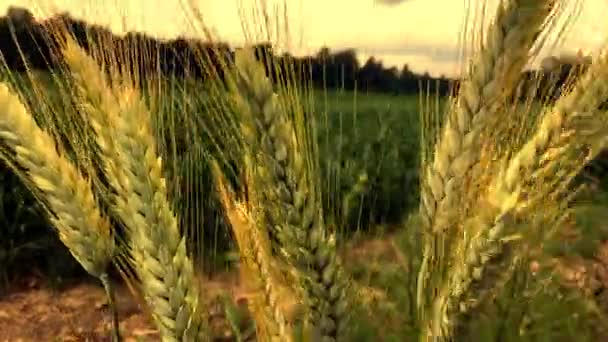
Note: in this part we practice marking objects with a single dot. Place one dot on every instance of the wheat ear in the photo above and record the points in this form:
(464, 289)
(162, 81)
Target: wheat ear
(491, 79)
(159, 252)
(121, 122)
(76, 215)
(277, 311)
(93, 98)
(574, 120)
(73, 209)
(291, 210)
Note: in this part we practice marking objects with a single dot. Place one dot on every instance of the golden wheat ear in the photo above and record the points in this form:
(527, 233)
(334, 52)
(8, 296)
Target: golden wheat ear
(533, 178)
(523, 184)
(492, 77)
(69, 198)
(275, 306)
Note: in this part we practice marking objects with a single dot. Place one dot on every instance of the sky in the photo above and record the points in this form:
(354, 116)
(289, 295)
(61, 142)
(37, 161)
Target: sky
(422, 33)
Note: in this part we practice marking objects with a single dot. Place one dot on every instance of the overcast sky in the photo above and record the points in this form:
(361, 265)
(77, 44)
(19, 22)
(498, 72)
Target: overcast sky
(422, 33)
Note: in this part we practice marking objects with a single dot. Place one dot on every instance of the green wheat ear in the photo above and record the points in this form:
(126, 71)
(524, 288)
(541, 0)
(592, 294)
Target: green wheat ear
(68, 196)
(287, 197)
(121, 122)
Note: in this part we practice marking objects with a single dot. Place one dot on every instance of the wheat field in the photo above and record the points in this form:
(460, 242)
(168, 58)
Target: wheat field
(478, 186)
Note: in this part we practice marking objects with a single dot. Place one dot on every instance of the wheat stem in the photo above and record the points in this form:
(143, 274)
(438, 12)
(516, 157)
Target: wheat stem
(109, 289)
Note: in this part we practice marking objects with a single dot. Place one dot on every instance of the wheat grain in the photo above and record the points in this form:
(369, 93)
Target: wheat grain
(160, 255)
(561, 129)
(94, 98)
(574, 120)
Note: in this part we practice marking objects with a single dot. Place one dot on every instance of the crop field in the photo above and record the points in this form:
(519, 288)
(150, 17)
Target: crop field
(142, 200)
(369, 156)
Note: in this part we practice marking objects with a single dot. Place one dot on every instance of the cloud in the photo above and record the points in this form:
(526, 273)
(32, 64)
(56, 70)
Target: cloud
(420, 56)
(389, 2)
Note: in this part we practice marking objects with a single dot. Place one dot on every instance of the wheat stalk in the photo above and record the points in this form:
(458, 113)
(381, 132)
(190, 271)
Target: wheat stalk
(491, 79)
(290, 207)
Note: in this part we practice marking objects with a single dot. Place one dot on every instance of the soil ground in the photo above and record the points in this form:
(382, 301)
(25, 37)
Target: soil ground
(31, 310)
(34, 311)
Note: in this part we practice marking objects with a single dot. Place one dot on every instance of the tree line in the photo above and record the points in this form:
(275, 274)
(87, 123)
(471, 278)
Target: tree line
(28, 43)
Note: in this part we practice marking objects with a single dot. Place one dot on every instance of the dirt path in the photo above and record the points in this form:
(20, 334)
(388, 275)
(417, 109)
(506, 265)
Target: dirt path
(74, 313)
(32, 311)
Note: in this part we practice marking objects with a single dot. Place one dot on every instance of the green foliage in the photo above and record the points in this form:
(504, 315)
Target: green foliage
(589, 229)
(367, 159)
